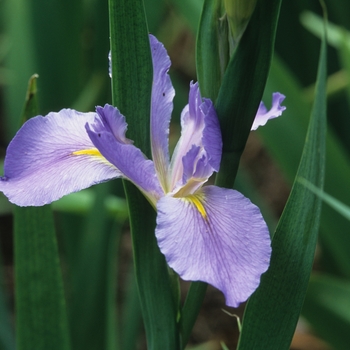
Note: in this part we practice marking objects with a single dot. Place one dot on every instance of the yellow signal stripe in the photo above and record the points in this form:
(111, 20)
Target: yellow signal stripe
(196, 201)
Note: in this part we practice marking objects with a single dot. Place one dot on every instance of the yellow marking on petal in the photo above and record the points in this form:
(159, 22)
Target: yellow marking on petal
(94, 152)
(196, 201)
(88, 152)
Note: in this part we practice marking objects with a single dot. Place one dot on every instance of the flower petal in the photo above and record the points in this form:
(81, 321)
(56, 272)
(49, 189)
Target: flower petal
(161, 108)
(52, 156)
(200, 127)
(217, 236)
(212, 140)
(115, 121)
(118, 150)
(262, 116)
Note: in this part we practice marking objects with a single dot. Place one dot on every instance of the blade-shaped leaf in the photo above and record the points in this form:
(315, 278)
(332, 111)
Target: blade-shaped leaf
(131, 92)
(132, 318)
(41, 319)
(338, 37)
(340, 207)
(237, 102)
(334, 237)
(208, 53)
(243, 86)
(314, 23)
(93, 279)
(327, 308)
(273, 310)
(7, 339)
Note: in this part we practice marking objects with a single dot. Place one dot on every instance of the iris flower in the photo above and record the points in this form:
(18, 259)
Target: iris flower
(206, 233)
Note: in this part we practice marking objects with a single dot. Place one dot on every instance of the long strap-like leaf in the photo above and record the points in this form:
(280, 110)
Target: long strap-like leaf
(273, 311)
(131, 90)
(41, 319)
(237, 99)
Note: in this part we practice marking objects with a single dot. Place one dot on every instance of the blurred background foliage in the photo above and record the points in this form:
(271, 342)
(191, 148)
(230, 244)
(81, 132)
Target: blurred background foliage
(66, 43)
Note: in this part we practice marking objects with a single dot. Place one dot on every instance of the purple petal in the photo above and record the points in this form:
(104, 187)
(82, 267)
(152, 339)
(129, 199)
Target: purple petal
(189, 162)
(200, 128)
(161, 108)
(262, 116)
(217, 236)
(115, 122)
(212, 140)
(195, 171)
(124, 156)
(52, 156)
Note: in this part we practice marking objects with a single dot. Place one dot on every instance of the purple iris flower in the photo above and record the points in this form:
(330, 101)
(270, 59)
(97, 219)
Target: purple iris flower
(206, 233)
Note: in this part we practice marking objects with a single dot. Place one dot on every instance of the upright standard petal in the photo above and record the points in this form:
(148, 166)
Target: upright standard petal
(217, 236)
(198, 151)
(52, 156)
(263, 115)
(161, 108)
(212, 141)
(119, 151)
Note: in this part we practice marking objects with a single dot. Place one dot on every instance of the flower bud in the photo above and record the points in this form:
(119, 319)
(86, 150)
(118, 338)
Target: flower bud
(238, 13)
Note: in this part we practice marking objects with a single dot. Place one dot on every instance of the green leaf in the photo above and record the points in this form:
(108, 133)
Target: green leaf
(243, 86)
(49, 36)
(224, 347)
(82, 202)
(93, 279)
(31, 102)
(41, 319)
(338, 37)
(292, 126)
(190, 309)
(314, 23)
(7, 339)
(210, 52)
(132, 317)
(327, 308)
(237, 102)
(272, 312)
(92, 89)
(344, 53)
(341, 208)
(18, 22)
(158, 304)
(155, 11)
(131, 93)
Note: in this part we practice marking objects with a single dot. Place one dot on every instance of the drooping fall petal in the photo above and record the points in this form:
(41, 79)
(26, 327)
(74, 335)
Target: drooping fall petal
(53, 156)
(217, 236)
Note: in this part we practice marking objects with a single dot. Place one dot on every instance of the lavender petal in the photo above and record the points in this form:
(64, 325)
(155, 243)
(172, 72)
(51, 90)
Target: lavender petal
(53, 156)
(263, 115)
(217, 236)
